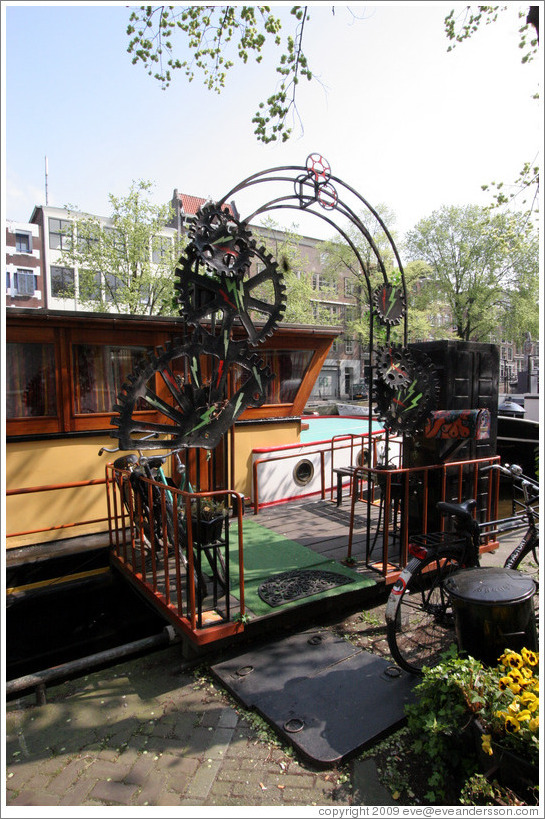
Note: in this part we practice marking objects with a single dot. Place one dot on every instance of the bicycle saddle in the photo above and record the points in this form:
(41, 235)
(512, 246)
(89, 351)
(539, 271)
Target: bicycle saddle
(461, 511)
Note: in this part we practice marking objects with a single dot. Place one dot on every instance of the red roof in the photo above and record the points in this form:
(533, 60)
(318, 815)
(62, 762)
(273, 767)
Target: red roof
(191, 204)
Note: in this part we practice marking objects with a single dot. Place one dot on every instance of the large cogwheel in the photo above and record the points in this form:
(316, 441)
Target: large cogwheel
(221, 241)
(405, 405)
(258, 301)
(186, 386)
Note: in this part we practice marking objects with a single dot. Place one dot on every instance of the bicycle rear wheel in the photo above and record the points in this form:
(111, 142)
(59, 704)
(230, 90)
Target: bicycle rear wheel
(419, 616)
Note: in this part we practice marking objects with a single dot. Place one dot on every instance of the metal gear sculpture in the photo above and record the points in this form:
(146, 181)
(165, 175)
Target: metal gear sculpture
(221, 241)
(186, 385)
(406, 388)
(195, 411)
(389, 304)
(217, 292)
(252, 299)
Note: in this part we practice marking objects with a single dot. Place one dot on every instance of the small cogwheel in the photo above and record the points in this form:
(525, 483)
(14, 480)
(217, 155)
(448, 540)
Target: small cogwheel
(221, 241)
(405, 407)
(389, 303)
(394, 364)
(318, 167)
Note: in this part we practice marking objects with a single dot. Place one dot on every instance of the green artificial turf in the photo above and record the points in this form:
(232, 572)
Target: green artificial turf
(267, 553)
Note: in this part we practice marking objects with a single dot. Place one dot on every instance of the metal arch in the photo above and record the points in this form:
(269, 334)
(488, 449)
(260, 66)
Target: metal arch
(346, 211)
(268, 176)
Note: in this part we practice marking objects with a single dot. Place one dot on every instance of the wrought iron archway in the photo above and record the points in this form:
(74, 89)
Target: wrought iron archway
(216, 288)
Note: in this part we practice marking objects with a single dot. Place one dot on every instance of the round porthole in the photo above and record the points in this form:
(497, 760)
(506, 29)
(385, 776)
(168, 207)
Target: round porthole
(303, 472)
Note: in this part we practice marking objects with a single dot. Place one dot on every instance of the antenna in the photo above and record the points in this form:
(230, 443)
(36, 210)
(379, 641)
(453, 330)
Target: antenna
(46, 194)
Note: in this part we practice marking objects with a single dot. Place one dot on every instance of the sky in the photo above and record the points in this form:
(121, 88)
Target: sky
(399, 118)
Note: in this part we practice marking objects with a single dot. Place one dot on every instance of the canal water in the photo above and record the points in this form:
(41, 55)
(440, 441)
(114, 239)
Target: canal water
(59, 623)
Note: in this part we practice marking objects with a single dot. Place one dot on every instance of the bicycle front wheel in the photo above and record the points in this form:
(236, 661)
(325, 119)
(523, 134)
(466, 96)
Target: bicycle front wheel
(525, 558)
(419, 616)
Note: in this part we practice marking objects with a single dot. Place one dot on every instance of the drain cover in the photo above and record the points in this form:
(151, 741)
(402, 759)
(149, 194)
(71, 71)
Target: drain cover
(324, 696)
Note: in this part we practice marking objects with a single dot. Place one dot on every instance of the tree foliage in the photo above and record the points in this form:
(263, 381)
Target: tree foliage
(128, 263)
(285, 247)
(215, 36)
(485, 267)
(524, 191)
(464, 25)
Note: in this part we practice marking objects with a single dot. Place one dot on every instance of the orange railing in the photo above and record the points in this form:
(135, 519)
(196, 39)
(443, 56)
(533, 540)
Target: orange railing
(338, 443)
(153, 544)
(27, 490)
(407, 497)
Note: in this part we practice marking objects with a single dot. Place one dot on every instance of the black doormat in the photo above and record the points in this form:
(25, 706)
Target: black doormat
(297, 584)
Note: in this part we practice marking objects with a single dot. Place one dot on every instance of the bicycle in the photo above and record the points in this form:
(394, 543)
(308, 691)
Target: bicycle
(162, 520)
(419, 616)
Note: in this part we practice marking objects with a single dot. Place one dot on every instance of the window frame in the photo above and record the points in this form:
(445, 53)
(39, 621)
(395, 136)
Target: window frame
(64, 238)
(63, 268)
(37, 424)
(28, 236)
(26, 273)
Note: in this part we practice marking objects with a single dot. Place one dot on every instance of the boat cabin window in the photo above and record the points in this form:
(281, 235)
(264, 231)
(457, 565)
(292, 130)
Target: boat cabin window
(100, 371)
(30, 389)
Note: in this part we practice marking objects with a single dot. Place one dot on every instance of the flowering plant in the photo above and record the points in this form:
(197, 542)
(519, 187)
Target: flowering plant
(207, 508)
(508, 704)
(460, 699)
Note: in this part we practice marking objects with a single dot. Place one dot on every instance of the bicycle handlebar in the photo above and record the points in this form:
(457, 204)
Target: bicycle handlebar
(513, 471)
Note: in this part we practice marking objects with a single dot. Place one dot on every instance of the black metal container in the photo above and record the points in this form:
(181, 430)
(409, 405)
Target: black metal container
(493, 610)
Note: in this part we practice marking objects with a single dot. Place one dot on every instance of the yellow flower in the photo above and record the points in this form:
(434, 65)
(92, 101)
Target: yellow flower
(504, 683)
(533, 725)
(515, 688)
(515, 674)
(515, 660)
(526, 672)
(487, 748)
(530, 657)
(512, 725)
(529, 700)
(514, 707)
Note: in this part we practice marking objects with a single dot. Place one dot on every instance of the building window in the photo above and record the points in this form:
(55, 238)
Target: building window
(289, 368)
(112, 287)
(115, 240)
(349, 287)
(24, 282)
(321, 283)
(60, 234)
(30, 380)
(161, 249)
(89, 285)
(88, 238)
(349, 346)
(23, 242)
(62, 282)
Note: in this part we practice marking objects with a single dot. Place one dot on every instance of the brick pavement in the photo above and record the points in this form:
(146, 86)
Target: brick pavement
(147, 732)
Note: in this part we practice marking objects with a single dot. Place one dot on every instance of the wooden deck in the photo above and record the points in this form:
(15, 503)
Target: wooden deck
(319, 527)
